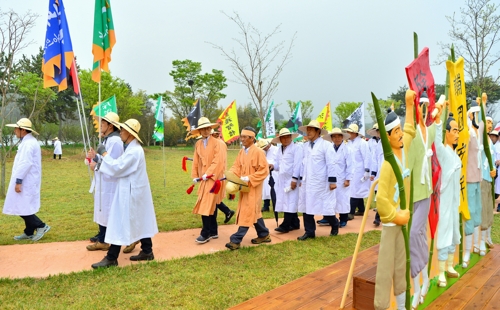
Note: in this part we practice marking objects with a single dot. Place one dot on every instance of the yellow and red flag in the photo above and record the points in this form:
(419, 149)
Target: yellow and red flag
(104, 38)
(325, 118)
(228, 120)
(458, 106)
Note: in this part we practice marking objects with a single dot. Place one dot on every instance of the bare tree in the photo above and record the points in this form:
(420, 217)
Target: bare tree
(475, 35)
(14, 29)
(258, 62)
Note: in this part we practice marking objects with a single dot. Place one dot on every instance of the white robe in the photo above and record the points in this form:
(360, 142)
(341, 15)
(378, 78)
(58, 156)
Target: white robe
(104, 185)
(57, 147)
(318, 168)
(343, 171)
(287, 166)
(132, 215)
(495, 158)
(377, 158)
(27, 167)
(271, 159)
(448, 229)
(361, 161)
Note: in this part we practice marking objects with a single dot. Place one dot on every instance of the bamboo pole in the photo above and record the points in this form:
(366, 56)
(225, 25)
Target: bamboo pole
(358, 243)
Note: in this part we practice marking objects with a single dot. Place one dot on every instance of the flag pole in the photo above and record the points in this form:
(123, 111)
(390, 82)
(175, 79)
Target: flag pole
(163, 140)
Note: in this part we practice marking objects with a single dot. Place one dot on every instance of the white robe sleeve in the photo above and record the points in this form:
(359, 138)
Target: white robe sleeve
(25, 161)
(123, 166)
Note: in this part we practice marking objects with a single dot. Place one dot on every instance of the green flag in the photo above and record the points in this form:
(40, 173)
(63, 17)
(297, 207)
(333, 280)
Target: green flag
(159, 128)
(108, 105)
(104, 38)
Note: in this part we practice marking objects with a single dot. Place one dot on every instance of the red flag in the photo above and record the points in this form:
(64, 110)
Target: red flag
(74, 77)
(419, 76)
(436, 186)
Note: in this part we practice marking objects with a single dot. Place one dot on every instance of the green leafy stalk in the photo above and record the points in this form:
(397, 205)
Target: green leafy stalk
(391, 159)
(487, 150)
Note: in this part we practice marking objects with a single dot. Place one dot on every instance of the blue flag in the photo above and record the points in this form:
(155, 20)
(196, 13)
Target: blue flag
(58, 50)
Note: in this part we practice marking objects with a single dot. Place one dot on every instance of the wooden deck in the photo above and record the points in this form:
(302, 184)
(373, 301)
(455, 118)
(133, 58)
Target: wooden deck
(479, 288)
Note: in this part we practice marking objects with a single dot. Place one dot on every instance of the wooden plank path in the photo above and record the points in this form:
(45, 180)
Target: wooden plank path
(479, 288)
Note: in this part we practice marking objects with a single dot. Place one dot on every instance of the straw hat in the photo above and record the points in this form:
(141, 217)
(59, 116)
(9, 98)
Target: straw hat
(235, 184)
(55, 139)
(131, 125)
(284, 132)
(203, 122)
(493, 132)
(314, 124)
(338, 131)
(352, 128)
(262, 143)
(111, 117)
(372, 131)
(23, 123)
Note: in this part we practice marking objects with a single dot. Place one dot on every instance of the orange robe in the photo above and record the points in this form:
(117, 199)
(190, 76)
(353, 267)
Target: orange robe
(254, 165)
(223, 154)
(207, 160)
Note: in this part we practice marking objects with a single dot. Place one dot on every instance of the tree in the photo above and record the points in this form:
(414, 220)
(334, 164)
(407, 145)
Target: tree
(342, 111)
(306, 108)
(384, 106)
(128, 103)
(174, 131)
(260, 63)
(247, 116)
(14, 29)
(476, 35)
(190, 85)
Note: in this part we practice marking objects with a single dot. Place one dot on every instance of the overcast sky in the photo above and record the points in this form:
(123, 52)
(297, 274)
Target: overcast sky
(343, 51)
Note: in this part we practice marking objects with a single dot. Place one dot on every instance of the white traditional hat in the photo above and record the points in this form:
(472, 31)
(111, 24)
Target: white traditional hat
(262, 143)
(314, 124)
(203, 122)
(284, 132)
(493, 132)
(338, 131)
(23, 123)
(131, 125)
(352, 128)
(56, 138)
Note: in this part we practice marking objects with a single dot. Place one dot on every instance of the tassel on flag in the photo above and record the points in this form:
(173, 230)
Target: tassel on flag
(232, 196)
(184, 166)
(217, 186)
(190, 189)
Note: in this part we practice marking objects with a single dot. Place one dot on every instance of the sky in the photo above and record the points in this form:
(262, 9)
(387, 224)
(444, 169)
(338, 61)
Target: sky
(343, 50)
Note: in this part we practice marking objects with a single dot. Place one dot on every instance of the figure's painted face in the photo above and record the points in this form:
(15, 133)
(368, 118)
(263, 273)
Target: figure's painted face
(489, 126)
(286, 140)
(396, 138)
(452, 134)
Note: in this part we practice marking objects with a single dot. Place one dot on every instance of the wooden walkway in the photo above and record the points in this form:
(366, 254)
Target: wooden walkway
(479, 288)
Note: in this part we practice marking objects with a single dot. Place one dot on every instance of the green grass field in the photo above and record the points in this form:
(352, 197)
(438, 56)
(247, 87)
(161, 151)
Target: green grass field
(215, 281)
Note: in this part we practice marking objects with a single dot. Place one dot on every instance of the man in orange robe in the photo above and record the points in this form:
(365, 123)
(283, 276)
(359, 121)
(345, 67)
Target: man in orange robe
(252, 168)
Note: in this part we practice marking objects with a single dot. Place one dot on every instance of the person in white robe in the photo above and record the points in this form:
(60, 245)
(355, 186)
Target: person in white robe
(287, 167)
(448, 229)
(360, 183)
(57, 147)
(104, 186)
(318, 180)
(23, 194)
(494, 136)
(343, 174)
(377, 158)
(132, 215)
(271, 153)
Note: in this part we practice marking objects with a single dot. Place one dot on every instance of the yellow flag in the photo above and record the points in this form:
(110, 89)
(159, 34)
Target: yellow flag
(229, 123)
(458, 106)
(325, 118)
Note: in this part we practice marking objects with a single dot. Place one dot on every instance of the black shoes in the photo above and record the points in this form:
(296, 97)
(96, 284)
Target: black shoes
(376, 223)
(94, 239)
(264, 209)
(142, 256)
(305, 237)
(105, 263)
(359, 213)
(334, 231)
(229, 216)
(281, 230)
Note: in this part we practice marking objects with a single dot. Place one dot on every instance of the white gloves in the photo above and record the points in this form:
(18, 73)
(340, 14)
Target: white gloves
(195, 180)
(246, 179)
(367, 175)
(204, 177)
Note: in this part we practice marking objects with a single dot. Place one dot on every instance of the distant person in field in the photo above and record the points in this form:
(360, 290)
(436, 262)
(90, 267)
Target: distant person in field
(57, 147)
(104, 186)
(23, 195)
(132, 215)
